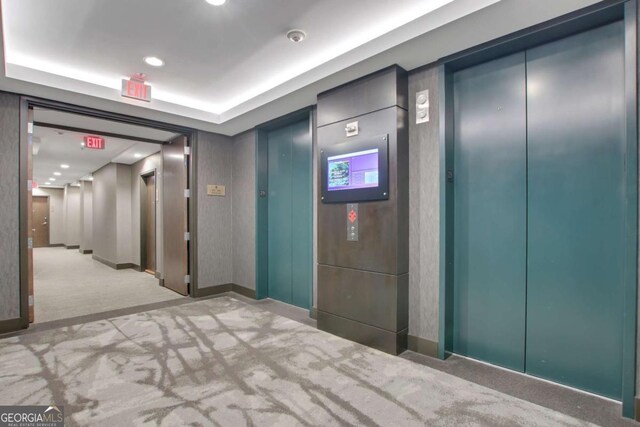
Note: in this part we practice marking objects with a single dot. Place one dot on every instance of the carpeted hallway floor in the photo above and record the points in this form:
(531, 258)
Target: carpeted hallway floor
(224, 362)
(69, 284)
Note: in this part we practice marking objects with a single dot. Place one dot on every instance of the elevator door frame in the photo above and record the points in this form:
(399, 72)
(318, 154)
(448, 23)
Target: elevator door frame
(565, 26)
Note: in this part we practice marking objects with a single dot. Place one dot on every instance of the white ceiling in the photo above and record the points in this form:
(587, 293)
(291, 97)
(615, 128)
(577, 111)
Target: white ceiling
(228, 68)
(59, 147)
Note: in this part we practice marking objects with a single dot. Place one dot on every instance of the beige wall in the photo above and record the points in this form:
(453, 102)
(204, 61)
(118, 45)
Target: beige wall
(71, 205)
(86, 216)
(104, 213)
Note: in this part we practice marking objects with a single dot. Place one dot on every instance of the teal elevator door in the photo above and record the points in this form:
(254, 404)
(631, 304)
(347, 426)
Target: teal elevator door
(290, 214)
(576, 210)
(490, 212)
(539, 193)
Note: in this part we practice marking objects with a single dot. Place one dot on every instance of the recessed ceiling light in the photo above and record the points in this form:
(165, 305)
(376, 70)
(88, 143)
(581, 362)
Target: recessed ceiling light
(57, 173)
(216, 2)
(64, 166)
(47, 183)
(154, 61)
(296, 36)
(137, 155)
(52, 179)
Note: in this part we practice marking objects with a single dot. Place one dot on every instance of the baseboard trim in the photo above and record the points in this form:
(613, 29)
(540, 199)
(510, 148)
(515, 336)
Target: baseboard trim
(86, 251)
(137, 268)
(113, 265)
(72, 246)
(313, 313)
(12, 325)
(56, 245)
(422, 346)
(158, 276)
(224, 288)
(637, 417)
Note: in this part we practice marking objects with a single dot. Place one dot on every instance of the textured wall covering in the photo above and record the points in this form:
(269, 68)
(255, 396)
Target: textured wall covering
(244, 209)
(215, 225)
(424, 210)
(9, 202)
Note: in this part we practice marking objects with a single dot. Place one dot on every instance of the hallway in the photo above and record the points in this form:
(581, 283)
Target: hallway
(68, 284)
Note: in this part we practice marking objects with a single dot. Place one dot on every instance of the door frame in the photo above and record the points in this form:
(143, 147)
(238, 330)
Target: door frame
(143, 219)
(48, 216)
(262, 201)
(583, 20)
(27, 103)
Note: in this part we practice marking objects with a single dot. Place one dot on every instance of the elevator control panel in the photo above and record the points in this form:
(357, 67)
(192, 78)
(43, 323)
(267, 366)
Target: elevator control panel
(352, 222)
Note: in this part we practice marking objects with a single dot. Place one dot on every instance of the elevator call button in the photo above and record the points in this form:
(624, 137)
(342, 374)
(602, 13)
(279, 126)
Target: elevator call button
(352, 222)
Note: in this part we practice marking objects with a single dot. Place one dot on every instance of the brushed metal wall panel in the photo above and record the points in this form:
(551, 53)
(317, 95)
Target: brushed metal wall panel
(215, 215)
(424, 210)
(244, 209)
(383, 89)
(375, 299)
(380, 222)
(9, 207)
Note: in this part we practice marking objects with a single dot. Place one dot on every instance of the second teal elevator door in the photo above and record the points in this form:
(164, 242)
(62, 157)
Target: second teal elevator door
(576, 186)
(290, 214)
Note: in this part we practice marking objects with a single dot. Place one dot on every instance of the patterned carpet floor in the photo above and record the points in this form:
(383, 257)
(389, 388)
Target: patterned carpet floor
(226, 363)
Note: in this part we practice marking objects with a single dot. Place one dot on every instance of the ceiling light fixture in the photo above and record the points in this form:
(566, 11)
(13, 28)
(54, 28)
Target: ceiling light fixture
(137, 155)
(216, 2)
(47, 183)
(296, 36)
(64, 166)
(154, 61)
(52, 179)
(57, 173)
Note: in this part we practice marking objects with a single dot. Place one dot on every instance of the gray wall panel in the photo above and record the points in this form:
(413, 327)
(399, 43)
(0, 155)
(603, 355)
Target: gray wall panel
(86, 216)
(72, 216)
(215, 224)
(244, 209)
(104, 213)
(424, 210)
(9, 200)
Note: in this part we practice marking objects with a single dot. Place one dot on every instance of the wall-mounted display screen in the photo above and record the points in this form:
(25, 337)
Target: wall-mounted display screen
(355, 171)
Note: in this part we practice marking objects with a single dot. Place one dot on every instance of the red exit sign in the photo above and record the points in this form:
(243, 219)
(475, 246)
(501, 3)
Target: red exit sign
(94, 142)
(136, 89)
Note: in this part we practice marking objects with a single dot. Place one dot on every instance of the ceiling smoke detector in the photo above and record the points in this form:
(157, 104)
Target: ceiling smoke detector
(296, 36)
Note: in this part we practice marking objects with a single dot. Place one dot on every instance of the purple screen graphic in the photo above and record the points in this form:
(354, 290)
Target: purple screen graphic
(353, 170)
